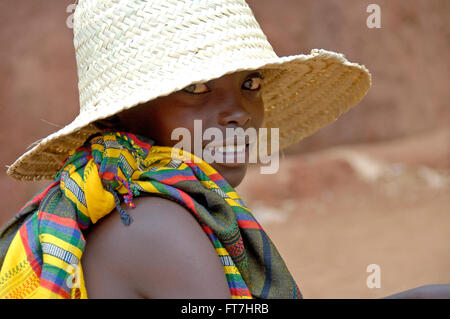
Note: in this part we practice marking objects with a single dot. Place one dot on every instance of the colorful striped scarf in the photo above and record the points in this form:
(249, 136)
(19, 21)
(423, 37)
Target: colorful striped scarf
(42, 246)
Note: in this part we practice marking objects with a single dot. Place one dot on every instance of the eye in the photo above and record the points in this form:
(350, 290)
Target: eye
(253, 83)
(198, 88)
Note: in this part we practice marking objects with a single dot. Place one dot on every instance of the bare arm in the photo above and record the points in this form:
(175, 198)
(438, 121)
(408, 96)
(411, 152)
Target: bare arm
(424, 292)
(166, 254)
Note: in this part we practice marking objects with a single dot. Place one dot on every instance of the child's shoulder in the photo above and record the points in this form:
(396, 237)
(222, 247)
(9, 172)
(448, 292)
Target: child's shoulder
(164, 247)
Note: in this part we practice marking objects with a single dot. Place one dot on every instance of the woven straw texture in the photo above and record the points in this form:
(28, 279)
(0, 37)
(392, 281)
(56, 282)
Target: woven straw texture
(130, 52)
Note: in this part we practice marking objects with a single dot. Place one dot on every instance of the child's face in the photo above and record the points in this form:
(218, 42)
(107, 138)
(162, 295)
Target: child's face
(231, 101)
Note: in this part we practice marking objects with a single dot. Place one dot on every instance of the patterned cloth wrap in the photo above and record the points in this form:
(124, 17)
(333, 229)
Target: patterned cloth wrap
(41, 247)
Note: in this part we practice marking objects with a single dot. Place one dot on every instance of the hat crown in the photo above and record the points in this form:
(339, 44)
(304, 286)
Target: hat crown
(142, 46)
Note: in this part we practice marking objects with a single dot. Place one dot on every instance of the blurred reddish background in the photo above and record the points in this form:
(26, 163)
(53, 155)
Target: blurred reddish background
(370, 188)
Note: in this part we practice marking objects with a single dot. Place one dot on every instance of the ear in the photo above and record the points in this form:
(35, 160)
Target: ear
(112, 122)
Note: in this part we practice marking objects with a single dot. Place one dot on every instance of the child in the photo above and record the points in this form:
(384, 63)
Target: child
(146, 69)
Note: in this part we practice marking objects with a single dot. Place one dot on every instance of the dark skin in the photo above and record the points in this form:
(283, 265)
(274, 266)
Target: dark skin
(164, 253)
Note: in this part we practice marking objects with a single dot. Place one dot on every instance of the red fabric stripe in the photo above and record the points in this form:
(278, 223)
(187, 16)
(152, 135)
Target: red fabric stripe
(54, 288)
(68, 222)
(83, 149)
(188, 200)
(215, 177)
(137, 141)
(248, 224)
(207, 229)
(175, 179)
(240, 292)
(108, 176)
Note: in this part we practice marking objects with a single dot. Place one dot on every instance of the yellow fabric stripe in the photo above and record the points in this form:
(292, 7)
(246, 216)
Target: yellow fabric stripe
(222, 251)
(231, 270)
(77, 178)
(14, 266)
(24, 285)
(130, 159)
(233, 195)
(55, 261)
(97, 147)
(49, 238)
(83, 292)
(148, 187)
(209, 184)
(241, 297)
(98, 199)
(44, 293)
(232, 202)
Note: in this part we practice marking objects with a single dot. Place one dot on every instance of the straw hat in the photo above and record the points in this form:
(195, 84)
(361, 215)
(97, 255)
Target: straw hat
(130, 52)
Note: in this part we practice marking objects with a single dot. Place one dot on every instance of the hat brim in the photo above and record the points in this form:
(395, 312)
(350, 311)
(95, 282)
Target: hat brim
(301, 94)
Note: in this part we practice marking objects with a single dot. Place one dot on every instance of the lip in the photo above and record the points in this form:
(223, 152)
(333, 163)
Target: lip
(232, 159)
(228, 141)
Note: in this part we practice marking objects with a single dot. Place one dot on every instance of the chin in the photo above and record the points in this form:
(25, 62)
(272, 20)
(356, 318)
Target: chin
(233, 175)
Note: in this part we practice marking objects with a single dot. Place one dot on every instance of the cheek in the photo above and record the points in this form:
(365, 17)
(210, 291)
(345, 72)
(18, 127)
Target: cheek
(259, 113)
(173, 119)
(256, 107)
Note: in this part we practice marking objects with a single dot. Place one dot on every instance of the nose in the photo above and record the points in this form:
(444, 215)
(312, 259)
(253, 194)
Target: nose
(236, 117)
(233, 113)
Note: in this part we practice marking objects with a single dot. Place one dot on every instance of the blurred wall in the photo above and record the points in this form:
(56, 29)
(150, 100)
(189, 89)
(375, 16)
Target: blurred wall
(408, 59)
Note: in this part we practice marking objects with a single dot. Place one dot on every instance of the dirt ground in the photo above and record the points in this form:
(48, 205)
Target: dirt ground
(334, 212)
